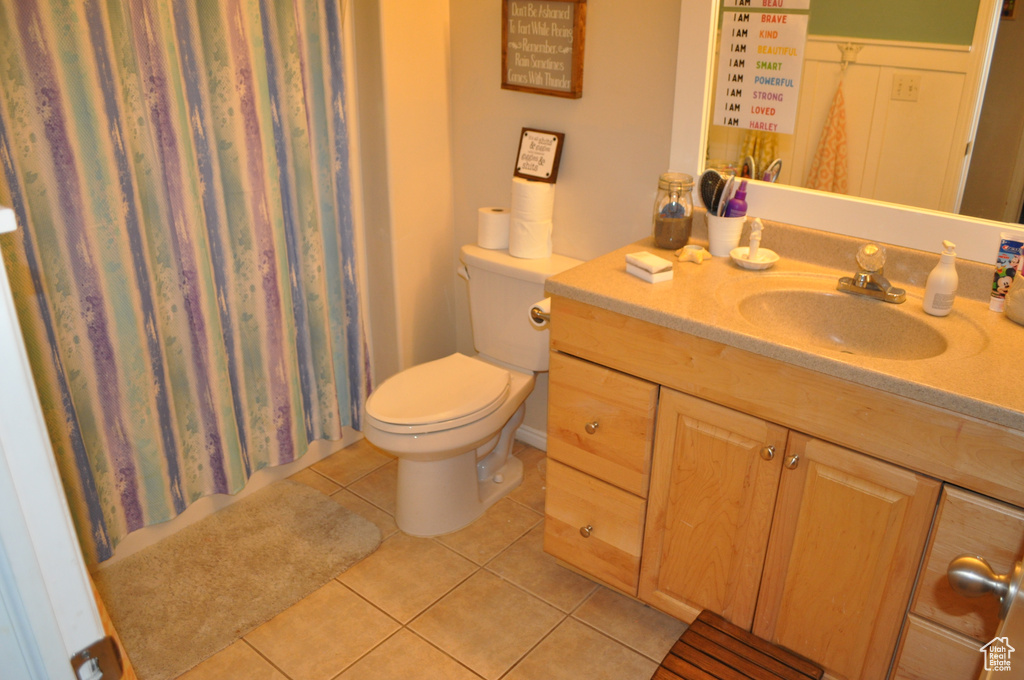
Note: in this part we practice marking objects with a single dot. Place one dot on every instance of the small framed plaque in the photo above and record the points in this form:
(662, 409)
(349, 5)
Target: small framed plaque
(542, 46)
(540, 152)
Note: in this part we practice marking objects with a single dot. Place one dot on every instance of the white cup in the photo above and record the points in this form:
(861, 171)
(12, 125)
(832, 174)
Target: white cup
(724, 234)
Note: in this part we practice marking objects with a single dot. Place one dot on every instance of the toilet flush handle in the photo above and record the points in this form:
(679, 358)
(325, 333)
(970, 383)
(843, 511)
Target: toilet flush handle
(462, 271)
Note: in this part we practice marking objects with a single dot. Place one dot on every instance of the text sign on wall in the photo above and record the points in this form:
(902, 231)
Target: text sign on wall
(760, 60)
(542, 46)
(768, 4)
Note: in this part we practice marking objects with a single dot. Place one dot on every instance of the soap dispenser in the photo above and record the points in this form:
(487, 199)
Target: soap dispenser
(940, 289)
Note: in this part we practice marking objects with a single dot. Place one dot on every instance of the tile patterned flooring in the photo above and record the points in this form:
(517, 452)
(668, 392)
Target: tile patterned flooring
(484, 602)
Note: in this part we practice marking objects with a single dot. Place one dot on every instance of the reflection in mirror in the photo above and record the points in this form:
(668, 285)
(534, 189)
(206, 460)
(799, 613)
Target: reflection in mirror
(899, 98)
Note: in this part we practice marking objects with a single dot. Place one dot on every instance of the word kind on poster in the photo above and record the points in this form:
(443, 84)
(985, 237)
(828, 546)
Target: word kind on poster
(760, 60)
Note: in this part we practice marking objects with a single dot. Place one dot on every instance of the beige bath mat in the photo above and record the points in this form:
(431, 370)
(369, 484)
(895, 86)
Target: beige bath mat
(192, 594)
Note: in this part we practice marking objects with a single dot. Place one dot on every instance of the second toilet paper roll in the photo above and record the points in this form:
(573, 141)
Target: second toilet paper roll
(492, 228)
(530, 225)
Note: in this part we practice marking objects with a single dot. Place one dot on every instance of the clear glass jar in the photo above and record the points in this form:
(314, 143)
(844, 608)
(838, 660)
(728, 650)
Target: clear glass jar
(673, 210)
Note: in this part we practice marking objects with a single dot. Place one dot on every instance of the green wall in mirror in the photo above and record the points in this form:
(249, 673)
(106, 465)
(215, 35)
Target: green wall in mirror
(949, 22)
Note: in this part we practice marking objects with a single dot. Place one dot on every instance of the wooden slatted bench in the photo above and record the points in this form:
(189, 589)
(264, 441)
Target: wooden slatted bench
(714, 649)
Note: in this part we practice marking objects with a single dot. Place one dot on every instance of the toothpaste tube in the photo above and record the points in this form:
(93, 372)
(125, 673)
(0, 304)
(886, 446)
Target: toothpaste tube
(1008, 265)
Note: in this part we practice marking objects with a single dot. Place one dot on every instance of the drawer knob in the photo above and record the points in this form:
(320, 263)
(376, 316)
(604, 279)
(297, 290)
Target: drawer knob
(586, 531)
(768, 452)
(591, 427)
(792, 462)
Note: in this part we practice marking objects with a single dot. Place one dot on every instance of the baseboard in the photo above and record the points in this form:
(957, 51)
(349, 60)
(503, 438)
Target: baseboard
(535, 438)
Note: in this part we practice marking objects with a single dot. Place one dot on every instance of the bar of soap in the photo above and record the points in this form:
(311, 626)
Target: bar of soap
(648, 262)
(649, 277)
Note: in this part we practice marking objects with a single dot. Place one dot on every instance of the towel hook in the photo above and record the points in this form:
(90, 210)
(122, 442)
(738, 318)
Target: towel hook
(849, 52)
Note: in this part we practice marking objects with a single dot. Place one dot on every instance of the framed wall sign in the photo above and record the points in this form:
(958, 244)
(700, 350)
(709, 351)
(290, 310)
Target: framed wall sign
(539, 154)
(542, 46)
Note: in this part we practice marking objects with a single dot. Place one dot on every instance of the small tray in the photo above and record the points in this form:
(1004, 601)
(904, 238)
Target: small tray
(765, 258)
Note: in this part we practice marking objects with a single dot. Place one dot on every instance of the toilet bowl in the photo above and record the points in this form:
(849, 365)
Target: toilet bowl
(453, 442)
(452, 422)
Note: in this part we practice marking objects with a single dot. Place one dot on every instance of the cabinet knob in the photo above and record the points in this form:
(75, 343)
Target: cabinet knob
(792, 462)
(591, 427)
(768, 452)
(586, 531)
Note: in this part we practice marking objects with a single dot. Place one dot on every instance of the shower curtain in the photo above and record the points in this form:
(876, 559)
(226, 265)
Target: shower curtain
(185, 268)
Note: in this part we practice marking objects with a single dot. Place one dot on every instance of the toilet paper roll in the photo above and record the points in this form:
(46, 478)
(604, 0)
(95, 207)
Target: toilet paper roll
(540, 313)
(492, 228)
(530, 225)
(529, 240)
(532, 201)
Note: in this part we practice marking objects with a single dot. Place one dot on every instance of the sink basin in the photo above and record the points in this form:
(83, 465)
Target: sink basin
(807, 311)
(843, 323)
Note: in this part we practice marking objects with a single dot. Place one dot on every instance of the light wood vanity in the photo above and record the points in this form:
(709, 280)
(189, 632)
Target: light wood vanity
(813, 509)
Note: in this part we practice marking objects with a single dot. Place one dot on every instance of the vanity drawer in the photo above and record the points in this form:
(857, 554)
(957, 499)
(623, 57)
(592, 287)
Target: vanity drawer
(930, 652)
(968, 523)
(601, 421)
(613, 518)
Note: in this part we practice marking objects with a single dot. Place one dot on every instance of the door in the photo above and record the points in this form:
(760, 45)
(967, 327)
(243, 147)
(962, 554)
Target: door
(847, 539)
(971, 576)
(716, 473)
(45, 593)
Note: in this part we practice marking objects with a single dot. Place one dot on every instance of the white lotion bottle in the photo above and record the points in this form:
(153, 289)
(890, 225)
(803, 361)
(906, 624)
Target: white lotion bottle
(940, 289)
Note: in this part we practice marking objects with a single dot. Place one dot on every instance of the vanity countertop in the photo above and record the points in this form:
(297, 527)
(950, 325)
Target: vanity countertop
(978, 377)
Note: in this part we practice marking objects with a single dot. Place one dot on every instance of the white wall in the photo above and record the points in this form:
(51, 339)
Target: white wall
(405, 140)
(617, 134)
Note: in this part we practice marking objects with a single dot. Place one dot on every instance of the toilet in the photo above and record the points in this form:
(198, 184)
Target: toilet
(451, 422)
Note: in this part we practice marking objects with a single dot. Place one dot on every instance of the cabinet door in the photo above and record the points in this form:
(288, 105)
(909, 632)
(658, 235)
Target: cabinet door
(846, 543)
(713, 489)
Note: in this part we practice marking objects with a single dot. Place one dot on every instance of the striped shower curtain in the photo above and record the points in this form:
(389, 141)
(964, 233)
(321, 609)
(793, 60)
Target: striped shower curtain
(185, 268)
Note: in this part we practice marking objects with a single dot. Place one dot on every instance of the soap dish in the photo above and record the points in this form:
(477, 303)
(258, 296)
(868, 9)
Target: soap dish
(765, 258)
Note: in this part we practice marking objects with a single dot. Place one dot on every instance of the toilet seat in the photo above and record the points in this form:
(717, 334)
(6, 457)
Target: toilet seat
(438, 395)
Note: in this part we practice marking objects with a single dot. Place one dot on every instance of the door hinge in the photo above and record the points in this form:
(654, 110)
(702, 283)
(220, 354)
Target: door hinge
(99, 661)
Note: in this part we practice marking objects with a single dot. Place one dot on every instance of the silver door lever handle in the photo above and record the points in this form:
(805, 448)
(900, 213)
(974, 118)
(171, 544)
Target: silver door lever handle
(972, 576)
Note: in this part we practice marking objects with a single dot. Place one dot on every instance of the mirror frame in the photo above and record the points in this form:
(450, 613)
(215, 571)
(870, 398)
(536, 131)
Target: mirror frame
(977, 239)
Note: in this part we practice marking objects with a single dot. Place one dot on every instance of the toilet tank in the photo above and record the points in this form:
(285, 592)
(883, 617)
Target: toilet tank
(502, 288)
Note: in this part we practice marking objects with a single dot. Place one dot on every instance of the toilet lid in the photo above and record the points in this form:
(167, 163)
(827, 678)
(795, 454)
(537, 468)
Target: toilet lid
(455, 388)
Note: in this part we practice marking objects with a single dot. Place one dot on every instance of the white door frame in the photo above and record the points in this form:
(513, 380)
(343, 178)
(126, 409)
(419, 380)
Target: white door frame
(45, 591)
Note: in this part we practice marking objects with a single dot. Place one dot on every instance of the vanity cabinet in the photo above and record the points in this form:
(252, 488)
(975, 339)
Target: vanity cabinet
(811, 545)
(822, 558)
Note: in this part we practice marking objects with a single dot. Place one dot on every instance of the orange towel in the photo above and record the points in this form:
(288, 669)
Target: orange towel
(829, 170)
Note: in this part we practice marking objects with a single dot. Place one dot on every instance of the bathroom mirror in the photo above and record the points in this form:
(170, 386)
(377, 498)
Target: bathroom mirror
(870, 219)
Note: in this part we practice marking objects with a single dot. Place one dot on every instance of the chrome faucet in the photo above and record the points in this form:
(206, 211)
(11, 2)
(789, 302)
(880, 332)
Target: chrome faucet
(869, 280)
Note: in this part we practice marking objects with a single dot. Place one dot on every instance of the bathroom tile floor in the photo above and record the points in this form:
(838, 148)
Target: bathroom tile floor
(483, 602)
